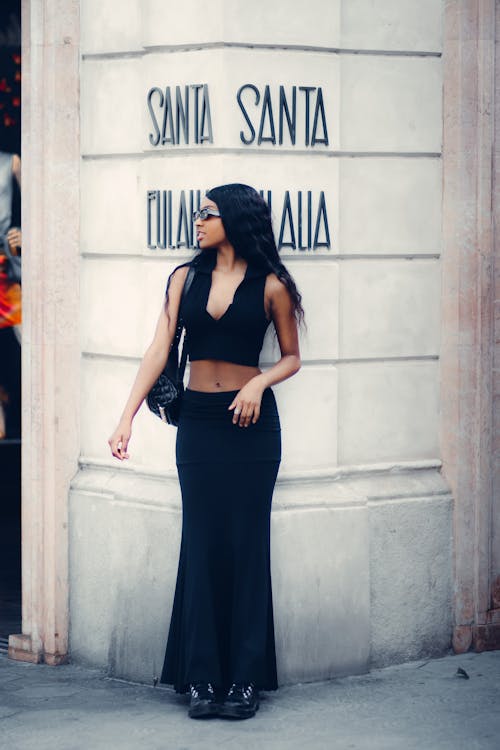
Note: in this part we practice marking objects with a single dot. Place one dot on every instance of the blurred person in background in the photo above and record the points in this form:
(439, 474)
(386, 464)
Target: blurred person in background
(10, 305)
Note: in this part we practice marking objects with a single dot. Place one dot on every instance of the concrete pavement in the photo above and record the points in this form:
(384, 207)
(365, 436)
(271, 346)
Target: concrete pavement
(423, 704)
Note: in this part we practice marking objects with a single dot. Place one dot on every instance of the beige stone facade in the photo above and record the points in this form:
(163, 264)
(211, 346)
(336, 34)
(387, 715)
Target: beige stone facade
(386, 514)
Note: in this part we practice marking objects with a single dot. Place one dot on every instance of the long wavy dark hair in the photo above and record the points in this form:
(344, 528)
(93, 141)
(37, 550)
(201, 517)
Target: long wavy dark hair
(247, 222)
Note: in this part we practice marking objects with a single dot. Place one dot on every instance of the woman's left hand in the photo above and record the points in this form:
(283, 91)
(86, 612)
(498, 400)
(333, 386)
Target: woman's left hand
(246, 403)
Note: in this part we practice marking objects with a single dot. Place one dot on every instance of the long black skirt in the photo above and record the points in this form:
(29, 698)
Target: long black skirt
(222, 628)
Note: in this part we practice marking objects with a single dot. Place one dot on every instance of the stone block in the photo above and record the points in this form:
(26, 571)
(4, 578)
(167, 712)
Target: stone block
(390, 104)
(320, 590)
(112, 206)
(314, 24)
(392, 25)
(110, 96)
(105, 385)
(123, 564)
(120, 320)
(389, 308)
(388, 411)
(390, 205)
(410, 578)
(307, 403)
(110, 26)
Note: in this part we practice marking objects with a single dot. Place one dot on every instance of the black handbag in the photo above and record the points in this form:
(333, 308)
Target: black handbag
(13, 264)
(164, 398)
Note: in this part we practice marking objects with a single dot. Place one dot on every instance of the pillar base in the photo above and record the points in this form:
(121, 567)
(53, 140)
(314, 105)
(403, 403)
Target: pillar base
(462, 638)
(21, 649)
(486, 637)
(54, 660)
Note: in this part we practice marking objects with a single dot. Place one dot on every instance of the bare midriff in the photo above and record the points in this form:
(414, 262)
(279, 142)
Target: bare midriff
(212, 375)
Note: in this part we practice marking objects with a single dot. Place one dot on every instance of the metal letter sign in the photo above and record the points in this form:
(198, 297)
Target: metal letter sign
(181, 116)
(286, 108)
(303, 219)
(175, 117)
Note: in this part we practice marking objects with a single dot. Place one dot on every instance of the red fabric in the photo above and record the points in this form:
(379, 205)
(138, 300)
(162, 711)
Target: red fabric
(10, 299)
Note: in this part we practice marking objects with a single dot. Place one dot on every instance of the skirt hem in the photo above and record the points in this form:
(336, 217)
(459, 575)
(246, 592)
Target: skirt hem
(182, 689)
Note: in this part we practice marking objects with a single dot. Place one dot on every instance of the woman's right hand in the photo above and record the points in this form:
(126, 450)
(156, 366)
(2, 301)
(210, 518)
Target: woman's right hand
(15, 239)
(118, 442)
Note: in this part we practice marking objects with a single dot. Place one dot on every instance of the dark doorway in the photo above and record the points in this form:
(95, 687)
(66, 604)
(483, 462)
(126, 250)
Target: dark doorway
(10, 361)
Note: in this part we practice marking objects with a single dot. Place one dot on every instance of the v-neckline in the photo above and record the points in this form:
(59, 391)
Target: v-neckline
(216, 320)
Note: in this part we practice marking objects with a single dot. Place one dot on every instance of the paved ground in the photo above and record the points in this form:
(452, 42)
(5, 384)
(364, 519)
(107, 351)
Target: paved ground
(423, 705)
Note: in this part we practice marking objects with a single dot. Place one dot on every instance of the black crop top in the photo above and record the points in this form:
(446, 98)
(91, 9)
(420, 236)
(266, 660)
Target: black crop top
(237, 336)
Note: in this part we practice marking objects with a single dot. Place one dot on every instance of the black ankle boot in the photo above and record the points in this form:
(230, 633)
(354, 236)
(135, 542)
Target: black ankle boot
(241, 702)
(203, 702)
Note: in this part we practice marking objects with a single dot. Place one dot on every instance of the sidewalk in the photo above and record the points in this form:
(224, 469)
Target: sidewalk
(421, 704)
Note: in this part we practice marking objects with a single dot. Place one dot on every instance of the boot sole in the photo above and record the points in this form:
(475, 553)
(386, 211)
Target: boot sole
(237, 712)
(203, 711)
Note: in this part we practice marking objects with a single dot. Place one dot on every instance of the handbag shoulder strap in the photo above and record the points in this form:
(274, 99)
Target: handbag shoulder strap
(187, 284)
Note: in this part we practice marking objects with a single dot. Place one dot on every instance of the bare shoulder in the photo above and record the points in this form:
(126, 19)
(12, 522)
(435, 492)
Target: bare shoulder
(276, 289)
(180, 273)
(177, 278)
(173, 291)
(277, 297)
(274, 285)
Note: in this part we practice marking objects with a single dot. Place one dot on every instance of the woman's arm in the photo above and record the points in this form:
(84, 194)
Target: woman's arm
(288, 338)
(247, 402)
(16, 168)
(152, 364)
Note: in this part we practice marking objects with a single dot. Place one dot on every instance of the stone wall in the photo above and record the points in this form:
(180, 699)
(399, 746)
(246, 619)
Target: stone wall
(362, 516)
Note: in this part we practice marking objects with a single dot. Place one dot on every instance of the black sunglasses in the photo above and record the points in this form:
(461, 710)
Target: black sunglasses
(204, 213)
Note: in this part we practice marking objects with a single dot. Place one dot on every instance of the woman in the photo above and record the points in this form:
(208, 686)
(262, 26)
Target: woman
(221, 644)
